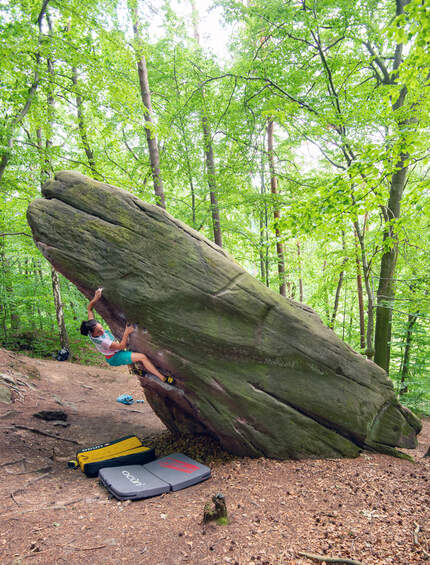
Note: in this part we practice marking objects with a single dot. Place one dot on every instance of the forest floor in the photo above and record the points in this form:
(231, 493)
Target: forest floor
(374, 509)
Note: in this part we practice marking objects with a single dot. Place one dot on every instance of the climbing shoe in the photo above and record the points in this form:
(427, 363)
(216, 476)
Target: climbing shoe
(170, 380)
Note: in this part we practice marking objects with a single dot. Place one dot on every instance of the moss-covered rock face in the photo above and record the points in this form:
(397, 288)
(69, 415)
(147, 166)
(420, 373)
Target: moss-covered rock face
(257, 371)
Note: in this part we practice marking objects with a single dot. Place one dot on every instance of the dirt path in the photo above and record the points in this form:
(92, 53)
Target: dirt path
(374, 509)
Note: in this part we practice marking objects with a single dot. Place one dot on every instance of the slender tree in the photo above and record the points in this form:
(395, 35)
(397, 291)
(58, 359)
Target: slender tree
(404, 371)
(299, 261)
(360, 297)
(59, 311)
(339, 285)
(81, 125)
(264, 229)
(17, 120)
(151, 138)
(405, 125)
(186, 147)
(46, 169)
(208, 148)
(276, 212)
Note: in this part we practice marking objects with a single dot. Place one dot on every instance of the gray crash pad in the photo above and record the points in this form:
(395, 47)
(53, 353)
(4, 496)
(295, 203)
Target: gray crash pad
(173, 472)
(132, 482)
(178, 470)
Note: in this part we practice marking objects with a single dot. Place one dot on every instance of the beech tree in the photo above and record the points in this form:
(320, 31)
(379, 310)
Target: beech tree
(19, 99)
(325, 96)
(146, 100)
(276, 214)
(208, 146)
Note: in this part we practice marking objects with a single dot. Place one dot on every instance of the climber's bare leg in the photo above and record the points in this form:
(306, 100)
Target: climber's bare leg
(142, 358)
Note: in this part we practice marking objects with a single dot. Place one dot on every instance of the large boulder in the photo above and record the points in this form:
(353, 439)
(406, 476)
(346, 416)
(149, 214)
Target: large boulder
(257, 371)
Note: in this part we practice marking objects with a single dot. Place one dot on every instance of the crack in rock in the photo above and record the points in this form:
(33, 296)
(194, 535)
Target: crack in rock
(320, 421)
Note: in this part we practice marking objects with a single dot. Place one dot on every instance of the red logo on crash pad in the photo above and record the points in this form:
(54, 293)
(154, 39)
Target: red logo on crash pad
(178, 465)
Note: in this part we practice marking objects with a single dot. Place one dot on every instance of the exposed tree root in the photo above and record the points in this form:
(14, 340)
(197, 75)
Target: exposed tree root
(330, 559)
(36, 431)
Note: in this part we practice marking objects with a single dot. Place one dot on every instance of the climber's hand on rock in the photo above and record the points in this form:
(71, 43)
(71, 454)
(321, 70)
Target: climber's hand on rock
(98, 293)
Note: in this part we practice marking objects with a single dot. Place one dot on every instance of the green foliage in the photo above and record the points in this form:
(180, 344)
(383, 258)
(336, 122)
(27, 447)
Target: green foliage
(27, 316)
(345, 117)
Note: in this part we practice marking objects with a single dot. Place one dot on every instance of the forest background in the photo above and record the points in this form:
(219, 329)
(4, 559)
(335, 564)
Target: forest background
(300, 144)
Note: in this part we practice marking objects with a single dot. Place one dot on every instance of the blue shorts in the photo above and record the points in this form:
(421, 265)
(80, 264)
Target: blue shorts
(120, 358)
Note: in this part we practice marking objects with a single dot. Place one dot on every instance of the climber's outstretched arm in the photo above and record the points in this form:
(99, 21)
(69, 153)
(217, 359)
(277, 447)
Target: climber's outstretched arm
(92, 303)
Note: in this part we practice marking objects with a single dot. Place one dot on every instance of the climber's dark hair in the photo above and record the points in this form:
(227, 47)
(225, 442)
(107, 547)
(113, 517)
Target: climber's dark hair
(87, 326)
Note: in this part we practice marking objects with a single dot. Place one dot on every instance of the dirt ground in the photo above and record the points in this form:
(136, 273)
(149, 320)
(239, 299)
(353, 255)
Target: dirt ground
(373, 509)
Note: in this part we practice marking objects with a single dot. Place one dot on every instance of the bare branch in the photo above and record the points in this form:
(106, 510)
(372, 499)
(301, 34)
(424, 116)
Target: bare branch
(268, 81)
(385, 74)
(226, 108)
(15, 233)
(129, 148)
(42, 12)
(327, 559)
(332, 88)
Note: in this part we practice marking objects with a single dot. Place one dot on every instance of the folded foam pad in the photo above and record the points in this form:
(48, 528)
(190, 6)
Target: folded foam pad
(178, 470)
(128, 450)
(132, 482)
(173, 472)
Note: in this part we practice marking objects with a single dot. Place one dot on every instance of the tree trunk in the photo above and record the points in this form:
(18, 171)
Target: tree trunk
(3, 309)
(326, 304)
(208, 150)
(369, 291)
(264, 231)
(145, 94)
(336, 298)
(299, 259)
(15, 319)
(5, 157)
(45, 166)
(210, 169)
(386, 291)
(263, 275)
(360, 298)
(276, 213)
(412, 318)
(186, 150)
(73, 310)
(17, 120)
(64, 338)
(81, 126)
(339, 287)
(8, 300)
(27, 274)
(38, 273)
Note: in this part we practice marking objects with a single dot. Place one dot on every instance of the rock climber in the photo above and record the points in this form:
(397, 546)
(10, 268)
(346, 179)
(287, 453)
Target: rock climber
(115, 351)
